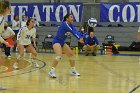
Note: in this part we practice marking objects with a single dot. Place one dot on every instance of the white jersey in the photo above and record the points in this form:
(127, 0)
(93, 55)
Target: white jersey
(1, 27)
(24, 35)
(7, 33)
(15, 25)
(23, 23)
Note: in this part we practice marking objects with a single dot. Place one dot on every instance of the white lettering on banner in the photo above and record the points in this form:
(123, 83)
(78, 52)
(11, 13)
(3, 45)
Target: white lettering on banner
(12, 12)
(48, 9)
(36, 14)
(74, 12)
(138, 13)
(57, 13)
(21, 11)
(132, 13)
(124, 15)
(44, 12)
(110, 13)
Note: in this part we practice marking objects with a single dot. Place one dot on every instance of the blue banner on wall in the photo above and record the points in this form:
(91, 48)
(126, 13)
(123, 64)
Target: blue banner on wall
(47, 12)
(120, 12)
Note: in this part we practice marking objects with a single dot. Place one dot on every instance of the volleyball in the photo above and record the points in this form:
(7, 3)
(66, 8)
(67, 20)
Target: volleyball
(92, 22)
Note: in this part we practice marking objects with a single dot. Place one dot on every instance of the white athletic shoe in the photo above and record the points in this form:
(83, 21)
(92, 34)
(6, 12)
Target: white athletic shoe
(9, 56)
(74, 73)
(35, 64)
(2, 88)
(52, 73)
(15, 66)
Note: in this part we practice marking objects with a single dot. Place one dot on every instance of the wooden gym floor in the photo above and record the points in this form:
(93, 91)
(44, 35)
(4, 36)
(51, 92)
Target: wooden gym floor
(99, 74)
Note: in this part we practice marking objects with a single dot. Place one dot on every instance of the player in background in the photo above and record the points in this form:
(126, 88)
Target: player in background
(24, 21)
(7, 33)
(24, 41)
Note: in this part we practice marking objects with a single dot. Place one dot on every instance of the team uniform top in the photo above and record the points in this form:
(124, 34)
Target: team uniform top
(7, 33)
(62, 33)
(24, 35)
(23, 23)
(1, 27)
(15, 26)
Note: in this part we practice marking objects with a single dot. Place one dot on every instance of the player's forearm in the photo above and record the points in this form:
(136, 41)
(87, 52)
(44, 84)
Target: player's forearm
(2, 40)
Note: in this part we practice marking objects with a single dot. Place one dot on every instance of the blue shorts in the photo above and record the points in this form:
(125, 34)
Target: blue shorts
(57, 41)
(16, 31)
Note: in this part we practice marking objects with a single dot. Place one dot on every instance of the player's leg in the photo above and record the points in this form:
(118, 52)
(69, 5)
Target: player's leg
(20, 55)
(7, 51)
(86, 50)
(71, 56)
(95, 49)
(1, 87)
(58, 50)
(32, 50)
(4, 46)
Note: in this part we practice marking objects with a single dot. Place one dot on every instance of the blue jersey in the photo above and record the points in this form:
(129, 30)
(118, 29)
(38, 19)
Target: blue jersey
(62, 33)
(91, 41)
(84, 34)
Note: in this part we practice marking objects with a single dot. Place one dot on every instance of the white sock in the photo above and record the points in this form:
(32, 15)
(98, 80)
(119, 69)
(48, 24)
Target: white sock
(52, 69)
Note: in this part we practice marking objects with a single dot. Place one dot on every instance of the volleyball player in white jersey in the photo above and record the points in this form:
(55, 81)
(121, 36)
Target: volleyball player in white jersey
(4, 10)
(24, 21)
(24, 41)
(15, 27)
(6, 34)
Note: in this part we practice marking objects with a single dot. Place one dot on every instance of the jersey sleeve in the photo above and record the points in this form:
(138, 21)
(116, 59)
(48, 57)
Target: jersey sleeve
(96, 40)
(21, 33)
(1, 39)
(1, 28)
(73, 30)
(11, 31)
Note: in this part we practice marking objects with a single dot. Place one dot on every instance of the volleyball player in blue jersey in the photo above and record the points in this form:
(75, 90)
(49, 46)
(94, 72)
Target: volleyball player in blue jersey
(59, 44)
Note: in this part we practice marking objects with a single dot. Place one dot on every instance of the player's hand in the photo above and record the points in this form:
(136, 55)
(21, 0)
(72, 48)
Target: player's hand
(94, 45)
(7, 44)
(81, 40)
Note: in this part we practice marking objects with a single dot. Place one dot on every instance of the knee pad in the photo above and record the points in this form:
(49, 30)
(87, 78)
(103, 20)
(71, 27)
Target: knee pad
(58, 58)
(72, 58)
